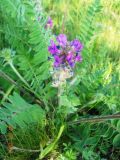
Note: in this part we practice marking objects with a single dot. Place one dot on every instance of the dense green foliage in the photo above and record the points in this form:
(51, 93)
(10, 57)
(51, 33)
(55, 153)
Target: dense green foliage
(30, 115)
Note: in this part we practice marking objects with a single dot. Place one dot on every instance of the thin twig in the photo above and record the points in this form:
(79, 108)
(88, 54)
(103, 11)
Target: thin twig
(95, 119)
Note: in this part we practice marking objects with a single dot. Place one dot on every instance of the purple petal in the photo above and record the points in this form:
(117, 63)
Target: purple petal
(69, 56)
(77, 45)
(56, 64)
(78, 58)
(53, 48)
(62, 40)
(57, 61)
(72, 64)
(49, 23)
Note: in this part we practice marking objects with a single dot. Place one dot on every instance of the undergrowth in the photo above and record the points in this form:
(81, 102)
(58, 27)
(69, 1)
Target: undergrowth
(32, 124)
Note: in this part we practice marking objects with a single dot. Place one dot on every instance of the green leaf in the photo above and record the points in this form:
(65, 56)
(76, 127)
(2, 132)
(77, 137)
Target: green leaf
(64, 101)
(3, 127)
(92, 140)
(68, 106)
(19, 113)
(118, 125)
(116, 141)
(75, 101)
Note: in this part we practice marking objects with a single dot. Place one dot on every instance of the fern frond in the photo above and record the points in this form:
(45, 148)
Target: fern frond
(29, 39)
(19, 113)
(87, 27)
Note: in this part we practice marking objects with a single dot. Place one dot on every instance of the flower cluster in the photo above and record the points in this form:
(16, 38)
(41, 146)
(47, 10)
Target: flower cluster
(49, 23)
(65, 53)
(39, 17)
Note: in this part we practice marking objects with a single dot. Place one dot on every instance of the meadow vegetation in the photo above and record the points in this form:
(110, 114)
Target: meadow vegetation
(36, 122)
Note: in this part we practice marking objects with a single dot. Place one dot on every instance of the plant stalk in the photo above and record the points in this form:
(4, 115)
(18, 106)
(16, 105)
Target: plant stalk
(7, 93)
(95, 119)
(18, 74)
(23, 150)
(9, 79)
(5, 76)
(60, 90)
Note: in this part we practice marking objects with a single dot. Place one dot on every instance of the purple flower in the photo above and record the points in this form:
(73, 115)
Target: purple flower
(78, 58)
(69, 56)
(62, 40)
(49, 23)
(65, 53)
(71, 63)
(53, 48)
(77, 45)
(57, 61)
(62, 59)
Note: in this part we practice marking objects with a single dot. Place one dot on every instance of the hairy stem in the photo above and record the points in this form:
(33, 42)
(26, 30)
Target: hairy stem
(23, 150)
(95, 119)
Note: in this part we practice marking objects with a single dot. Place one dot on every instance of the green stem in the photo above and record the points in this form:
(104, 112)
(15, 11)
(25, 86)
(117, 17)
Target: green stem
(59, 95)
(7, 93)
(8, 78)
(60, 92)
(5, 76)
(51, 146)
(18, 74)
